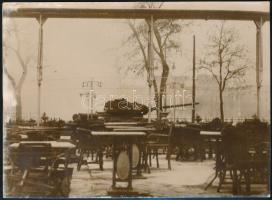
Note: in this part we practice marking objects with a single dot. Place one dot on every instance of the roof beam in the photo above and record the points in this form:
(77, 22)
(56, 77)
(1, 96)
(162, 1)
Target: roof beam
(135, 13)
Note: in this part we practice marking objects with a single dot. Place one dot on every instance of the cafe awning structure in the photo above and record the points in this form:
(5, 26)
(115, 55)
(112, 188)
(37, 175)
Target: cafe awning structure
(136, 13)
(197, 11)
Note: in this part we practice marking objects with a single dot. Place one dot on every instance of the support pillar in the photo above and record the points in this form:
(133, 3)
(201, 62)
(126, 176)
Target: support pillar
(150, 65)
(259, 63)
(41, 21)
(193, 86)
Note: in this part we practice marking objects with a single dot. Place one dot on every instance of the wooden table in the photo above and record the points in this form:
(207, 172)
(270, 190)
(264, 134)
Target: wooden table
(58, 147)
(123, 142)
(124, 126)
(57, 150)
(41, 128)
(210, 133)
(54, 144)
(134, 129)
(121, 123)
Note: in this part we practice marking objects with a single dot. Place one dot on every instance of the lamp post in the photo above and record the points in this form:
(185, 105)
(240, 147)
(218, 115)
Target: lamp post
(90, 94)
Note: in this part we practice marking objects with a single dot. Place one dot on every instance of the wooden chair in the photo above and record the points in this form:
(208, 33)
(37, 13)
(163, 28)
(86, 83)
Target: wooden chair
(88, 145)
(188, 142)
(260, 170)
(157, 144)
(235, 159)
(239, 159)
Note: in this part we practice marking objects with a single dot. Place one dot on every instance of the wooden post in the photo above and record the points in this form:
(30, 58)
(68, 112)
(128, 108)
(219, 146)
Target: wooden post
(41, 21)
(193, 89)
(174, 117)
(165, 89)
(150, 65)
(259, 63)
(92, 100)
(114, 165)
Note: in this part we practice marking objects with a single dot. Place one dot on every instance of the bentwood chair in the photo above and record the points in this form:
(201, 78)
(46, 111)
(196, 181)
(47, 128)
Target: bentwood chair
(242, 160)
(157, 144)
(88, 146)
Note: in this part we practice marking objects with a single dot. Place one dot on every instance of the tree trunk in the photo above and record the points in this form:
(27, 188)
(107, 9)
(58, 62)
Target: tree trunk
(221, 105)
(165, 67)
(18, 106)
(165, 73)
(156, 96)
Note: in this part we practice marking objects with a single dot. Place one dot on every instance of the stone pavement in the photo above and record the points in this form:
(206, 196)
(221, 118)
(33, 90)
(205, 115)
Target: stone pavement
(185, 179)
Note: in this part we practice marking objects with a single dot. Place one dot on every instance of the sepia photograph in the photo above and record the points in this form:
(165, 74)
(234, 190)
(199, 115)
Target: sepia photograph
(136, 99)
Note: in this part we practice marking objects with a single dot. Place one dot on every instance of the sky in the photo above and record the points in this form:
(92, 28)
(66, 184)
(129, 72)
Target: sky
(77, 50)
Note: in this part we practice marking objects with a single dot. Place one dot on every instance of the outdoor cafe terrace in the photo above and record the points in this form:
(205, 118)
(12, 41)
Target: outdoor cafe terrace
(124, 152)
(138, 159)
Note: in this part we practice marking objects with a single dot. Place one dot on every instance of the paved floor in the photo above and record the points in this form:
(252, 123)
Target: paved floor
(185, 179)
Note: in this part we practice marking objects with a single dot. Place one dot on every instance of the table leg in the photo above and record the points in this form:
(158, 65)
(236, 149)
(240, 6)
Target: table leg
(169, 152)
(114, 166)
(235, 182)
(140, 164)
(210, 148)
(247, 180)
(216, 174)
(144, 157)
(23, 177)
(130, 166)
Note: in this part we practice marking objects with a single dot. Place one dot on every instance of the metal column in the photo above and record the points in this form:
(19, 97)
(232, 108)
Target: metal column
(174, 117)
(150, 65)
(193, 89)
(92, 100)
(41, 21)
(259, 63)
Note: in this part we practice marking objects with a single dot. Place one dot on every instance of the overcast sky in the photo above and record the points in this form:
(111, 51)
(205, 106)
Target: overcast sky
(75, 50)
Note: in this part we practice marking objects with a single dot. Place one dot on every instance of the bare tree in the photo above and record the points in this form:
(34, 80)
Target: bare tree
(165, 32)
(24, 62)
(225, 59)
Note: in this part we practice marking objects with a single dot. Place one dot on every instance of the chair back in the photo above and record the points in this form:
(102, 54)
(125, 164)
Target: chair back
(86, 140)
(161, 138)
(262, 152)
(234, 145)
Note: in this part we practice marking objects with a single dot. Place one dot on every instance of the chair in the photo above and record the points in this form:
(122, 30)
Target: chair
(188, 141)
(241, 155)
(237, 158)
(89, 145)
(157, 144)
(260, 163)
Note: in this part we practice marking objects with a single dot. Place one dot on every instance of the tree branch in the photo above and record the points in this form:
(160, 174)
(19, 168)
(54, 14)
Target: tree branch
(12, 80)
(158, 38)
(140, 44)
(235, 72)
(211, 71)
